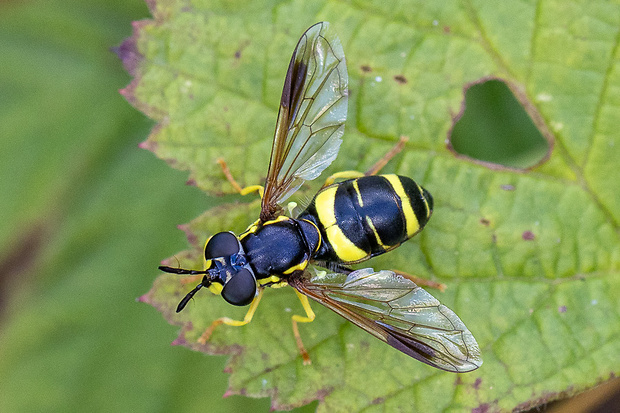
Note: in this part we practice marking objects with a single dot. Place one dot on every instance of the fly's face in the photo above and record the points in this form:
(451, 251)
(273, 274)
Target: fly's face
(228, 270)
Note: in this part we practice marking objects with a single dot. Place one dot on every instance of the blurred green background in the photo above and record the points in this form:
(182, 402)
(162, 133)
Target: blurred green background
(87, 216)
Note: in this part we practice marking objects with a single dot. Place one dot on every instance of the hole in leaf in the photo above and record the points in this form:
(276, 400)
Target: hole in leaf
(495, 128)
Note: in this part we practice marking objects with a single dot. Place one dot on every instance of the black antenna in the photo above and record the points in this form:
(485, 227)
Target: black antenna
(188, 297)
(181, 270)
(206, 281)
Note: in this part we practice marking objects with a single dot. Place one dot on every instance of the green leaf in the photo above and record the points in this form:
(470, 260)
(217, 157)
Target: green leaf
(531, 258)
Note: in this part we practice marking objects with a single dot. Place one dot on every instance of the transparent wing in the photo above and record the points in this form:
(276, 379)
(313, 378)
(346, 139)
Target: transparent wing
(313, 109)
(394, 309)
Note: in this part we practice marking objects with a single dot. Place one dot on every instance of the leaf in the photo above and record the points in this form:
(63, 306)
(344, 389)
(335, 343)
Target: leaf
(530, 257)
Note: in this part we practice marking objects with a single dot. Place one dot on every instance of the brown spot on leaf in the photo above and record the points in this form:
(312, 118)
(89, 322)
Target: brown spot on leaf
(400, 79)
(190, 182)
(179, 341)
(128, 51)
(528, 236)
(378, 400)
(237, 54)
(320, 395)
(129, 55)
(483, 408)
(485, 222)
(508, 187)
(366, 68)
(191, 237)
(477, 383)
(562, 309)
(446, 29)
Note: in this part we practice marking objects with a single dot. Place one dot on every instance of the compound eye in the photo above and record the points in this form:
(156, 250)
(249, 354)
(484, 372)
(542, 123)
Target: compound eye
(240, 289)
(223, 244)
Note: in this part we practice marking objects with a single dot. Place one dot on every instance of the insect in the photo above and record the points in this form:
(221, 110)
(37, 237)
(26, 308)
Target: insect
(346, 223)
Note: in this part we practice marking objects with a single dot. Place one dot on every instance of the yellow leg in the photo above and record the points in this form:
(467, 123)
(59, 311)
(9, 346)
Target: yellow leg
(233, 182)
(301, 319)
(235, 323)
(423, 282)
(342, 175)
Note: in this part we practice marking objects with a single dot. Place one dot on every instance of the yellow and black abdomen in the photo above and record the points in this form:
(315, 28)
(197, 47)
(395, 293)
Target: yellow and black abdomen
(363, 217)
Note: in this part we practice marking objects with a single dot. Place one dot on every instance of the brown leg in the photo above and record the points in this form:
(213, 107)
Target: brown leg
(233, 182)
(300, 345)
(387, 157)
(422, 282)
(301, 319)
(373, 169)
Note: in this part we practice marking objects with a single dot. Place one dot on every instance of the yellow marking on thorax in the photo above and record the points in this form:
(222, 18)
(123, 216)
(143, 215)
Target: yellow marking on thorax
(413, 226)
(274, 280)
(250, 230)
(344, 248)
(278, 219)
(256, 225)
(299, 267)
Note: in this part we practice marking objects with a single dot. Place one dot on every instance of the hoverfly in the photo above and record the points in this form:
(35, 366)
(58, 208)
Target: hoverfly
(346, 223)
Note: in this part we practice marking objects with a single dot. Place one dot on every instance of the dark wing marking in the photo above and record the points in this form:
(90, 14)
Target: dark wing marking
(313, 109)
(395, 310)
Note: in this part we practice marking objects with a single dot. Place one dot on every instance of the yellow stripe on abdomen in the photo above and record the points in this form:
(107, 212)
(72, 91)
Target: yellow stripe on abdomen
(346, 250)
(324, 203)
(374, 230)
(413, 226)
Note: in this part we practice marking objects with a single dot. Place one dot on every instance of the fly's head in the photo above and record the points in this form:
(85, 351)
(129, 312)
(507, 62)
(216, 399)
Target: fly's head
(227, 272)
